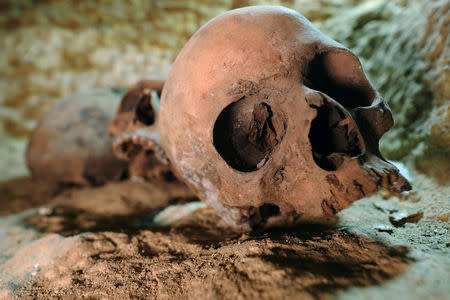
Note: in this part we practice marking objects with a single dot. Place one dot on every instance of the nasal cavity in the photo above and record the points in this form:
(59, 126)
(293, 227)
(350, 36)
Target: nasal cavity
(339, 75)
(333, 135)
(246, 133)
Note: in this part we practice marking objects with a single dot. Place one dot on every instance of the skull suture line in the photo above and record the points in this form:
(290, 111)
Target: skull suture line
(264, 115)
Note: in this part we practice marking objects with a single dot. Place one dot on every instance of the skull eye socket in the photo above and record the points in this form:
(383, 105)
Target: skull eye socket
(141, 103)
(333, 135)
(144, 111)
(339, 75)
(246, 133)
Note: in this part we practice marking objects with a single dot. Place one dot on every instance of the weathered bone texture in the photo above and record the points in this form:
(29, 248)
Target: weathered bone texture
(71, 144)
(135, 127)
(264, 115)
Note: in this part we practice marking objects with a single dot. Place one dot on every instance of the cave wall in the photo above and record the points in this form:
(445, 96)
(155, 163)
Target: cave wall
(404, 48)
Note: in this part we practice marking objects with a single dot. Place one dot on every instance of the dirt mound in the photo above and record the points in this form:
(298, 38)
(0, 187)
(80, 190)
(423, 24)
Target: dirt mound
(199, 256)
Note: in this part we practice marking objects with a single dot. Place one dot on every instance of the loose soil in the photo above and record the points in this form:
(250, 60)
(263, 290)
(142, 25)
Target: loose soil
(121, 254)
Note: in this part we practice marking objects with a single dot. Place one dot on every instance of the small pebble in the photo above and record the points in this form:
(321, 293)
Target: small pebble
(384, 228)
(45, 211)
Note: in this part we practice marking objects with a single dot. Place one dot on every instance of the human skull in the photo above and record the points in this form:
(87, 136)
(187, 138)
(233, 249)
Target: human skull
(262, 115)
(71, 145)
(137, 134)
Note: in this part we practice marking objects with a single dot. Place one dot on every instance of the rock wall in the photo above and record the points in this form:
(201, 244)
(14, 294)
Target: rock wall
(404, 47)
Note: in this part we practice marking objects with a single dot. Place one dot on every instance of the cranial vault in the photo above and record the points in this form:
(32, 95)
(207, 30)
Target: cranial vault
(263, 115)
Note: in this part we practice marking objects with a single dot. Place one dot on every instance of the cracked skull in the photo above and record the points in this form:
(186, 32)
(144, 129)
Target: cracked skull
(264, 115)
(135, 127)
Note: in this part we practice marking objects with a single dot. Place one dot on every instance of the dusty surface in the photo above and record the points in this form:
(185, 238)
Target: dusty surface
(198, 257)
(117, 241)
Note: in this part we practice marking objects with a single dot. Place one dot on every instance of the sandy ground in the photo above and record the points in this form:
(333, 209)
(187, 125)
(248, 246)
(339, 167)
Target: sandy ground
(139, 240)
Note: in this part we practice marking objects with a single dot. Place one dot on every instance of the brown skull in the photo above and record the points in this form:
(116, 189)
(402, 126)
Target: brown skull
(264, 115)
(137, 135)
(71, 145)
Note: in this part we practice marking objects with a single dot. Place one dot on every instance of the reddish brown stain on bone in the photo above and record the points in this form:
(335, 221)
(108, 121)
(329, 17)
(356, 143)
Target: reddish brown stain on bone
(332, 179)
(259, 89)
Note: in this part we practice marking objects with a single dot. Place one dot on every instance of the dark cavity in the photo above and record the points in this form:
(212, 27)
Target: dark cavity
(246, 133)
(332, 139)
